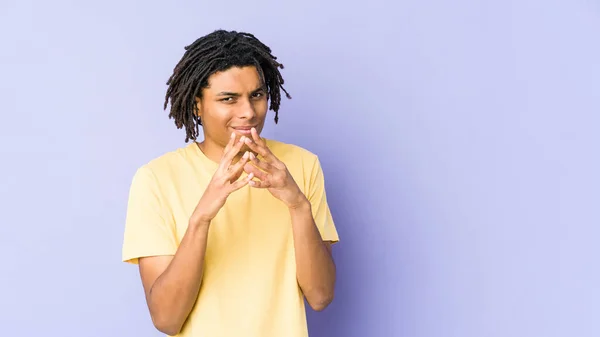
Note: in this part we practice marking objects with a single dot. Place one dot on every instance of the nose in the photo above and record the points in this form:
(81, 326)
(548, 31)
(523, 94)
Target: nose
(247, 110)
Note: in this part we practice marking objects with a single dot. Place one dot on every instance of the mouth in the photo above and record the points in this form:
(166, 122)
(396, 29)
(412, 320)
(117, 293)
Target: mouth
(243, 130)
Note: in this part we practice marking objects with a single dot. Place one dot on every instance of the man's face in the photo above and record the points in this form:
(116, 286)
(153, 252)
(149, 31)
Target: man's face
(234, 101)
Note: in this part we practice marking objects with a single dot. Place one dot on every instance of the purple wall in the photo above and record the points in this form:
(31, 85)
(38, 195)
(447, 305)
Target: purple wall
(460, 142)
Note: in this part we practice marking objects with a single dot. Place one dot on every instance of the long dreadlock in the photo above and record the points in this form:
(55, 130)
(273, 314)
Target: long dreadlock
(218, 51)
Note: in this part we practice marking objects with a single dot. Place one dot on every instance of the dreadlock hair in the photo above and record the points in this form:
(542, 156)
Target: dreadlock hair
(215, 52)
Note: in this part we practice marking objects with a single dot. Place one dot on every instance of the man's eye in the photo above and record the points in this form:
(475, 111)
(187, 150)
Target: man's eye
(227, 99)
(258, 94)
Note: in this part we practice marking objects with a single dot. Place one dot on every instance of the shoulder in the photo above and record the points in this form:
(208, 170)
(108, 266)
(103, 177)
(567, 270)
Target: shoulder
(290, 152)
(164, 164)
(303, 164)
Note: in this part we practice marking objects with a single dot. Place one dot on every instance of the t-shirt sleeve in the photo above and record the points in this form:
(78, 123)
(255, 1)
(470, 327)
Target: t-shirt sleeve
(147, 230)
(320, 208)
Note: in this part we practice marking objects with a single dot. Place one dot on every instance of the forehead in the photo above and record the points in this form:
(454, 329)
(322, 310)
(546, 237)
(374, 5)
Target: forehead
(235, 79)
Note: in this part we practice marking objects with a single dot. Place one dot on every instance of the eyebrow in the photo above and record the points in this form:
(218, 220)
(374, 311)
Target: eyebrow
(235, 94)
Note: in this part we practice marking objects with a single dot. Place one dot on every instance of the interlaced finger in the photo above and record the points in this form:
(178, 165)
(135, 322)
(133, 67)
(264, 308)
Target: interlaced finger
(231, 153)
(259, 184)
(263, 165)
(235, 170)
(258, 173)
(230, 143)
(262, 150)
(241, 183)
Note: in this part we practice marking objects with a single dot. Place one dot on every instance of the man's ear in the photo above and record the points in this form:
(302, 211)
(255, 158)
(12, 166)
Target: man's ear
(198, 106)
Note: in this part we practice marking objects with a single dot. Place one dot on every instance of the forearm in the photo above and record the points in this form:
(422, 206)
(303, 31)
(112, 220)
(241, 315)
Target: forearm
(173, 294)
(315, 268)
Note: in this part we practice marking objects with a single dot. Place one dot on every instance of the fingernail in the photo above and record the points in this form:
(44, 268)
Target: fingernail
(251, 155)
(243, 139)
(233, 135)
(246, 155)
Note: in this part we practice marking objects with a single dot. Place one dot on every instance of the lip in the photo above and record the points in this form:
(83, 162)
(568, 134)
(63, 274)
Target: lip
(244, 130)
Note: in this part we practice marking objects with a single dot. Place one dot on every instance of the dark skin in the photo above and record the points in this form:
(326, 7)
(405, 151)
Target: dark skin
(233, 109)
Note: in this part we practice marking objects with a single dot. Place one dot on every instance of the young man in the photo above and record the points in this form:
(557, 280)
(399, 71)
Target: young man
(231, 234)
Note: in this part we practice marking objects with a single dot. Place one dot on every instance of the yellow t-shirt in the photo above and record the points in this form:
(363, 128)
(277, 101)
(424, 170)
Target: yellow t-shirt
(249, 286)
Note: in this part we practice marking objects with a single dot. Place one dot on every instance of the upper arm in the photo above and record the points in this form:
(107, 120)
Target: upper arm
(328, 245)
(320, 208)
(148, 230)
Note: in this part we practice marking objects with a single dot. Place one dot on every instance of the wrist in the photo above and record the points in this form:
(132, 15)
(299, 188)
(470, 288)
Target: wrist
(301, 204)
(199, 224)
(197, 231)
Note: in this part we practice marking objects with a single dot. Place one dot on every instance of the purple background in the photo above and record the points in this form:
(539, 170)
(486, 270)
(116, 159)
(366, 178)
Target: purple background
(460, 142)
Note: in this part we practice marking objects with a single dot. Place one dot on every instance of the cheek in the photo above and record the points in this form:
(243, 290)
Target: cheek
(260, 107)
(217, 115)
(215, 122)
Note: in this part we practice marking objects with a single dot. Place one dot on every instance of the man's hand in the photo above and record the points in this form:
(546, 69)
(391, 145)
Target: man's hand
(271, 173)
(224, 182)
